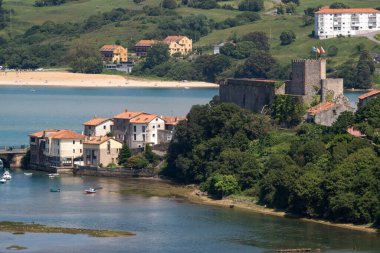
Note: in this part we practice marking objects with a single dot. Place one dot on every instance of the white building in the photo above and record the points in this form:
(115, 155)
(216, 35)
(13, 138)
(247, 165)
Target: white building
(144, 130)
(98, 127)
(64, 148)
(330, 23)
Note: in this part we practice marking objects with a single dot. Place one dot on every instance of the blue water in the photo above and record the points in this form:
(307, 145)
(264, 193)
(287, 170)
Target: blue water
(24, 110)
(161, 224)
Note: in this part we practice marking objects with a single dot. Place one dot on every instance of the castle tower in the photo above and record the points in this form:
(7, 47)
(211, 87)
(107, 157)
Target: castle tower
(306, 78)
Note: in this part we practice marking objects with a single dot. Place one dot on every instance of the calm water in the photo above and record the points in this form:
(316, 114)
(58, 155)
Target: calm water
(161, 224)
(24, 110)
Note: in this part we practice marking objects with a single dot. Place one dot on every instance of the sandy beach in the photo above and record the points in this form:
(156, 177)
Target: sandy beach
(66, 79)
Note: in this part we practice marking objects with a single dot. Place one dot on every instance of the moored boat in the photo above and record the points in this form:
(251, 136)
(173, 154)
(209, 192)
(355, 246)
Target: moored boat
(3, 180)
(28, 174)
(55, 190)
(90, 191)
(7, 175)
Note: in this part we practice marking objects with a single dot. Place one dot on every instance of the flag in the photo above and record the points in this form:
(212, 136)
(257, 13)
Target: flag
(318, 51)
(313, 49)
(323, 50)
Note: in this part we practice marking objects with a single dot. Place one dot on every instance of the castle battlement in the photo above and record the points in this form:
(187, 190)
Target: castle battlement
(307, 60)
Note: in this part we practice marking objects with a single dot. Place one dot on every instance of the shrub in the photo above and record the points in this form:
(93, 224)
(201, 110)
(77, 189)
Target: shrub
(287, 37)
(251, 5)
(169, 4)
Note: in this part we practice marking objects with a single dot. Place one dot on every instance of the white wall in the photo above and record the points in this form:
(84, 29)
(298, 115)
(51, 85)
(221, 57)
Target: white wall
(150, 133)
(99, 130)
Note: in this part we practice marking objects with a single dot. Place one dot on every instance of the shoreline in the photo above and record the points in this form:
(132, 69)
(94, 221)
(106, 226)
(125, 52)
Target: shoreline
(78, 80)
(254, 208)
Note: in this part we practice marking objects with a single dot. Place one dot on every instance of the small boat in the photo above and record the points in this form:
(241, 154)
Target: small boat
(7, 175)
(90, 191)
(3, 180)
(55, 190)
(28, 174)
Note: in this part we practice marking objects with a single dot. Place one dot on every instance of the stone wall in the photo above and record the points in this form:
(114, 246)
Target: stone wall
(117, 172)
(331, 88)
(251, 94)
(328, 117)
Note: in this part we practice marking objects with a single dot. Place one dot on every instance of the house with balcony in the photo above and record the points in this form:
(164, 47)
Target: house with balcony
(144, 130)
(142, 47)
(114, 54)
(98, 126)
(99, 151)
(179, 44)
(330, 23)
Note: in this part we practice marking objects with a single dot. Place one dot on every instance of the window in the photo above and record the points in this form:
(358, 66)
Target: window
(153, 135)
(108, 147)
(134, 137)
(143, 129)
(156, 119)
(143, 137)
(73, 142)
(104, 127)
(74, 150)
(134, 128)
(158, 126)
(154, 127)
(80, 150)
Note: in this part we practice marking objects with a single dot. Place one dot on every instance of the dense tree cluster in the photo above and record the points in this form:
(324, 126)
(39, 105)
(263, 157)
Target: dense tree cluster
(3, 16)
(338, 5)
(42, 3)
(287, 37)
(319, 172)
(251, 5)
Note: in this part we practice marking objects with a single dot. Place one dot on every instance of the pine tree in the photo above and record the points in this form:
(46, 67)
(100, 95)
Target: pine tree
(364, 71)
(124, 154)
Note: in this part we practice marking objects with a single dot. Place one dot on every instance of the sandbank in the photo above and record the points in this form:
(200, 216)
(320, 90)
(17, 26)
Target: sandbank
(66, 79)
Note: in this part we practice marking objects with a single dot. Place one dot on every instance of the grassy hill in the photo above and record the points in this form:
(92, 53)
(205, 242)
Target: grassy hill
(25, 15)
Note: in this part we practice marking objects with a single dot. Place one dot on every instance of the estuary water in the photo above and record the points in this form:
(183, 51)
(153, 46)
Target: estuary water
(24, 110)
(161, 224)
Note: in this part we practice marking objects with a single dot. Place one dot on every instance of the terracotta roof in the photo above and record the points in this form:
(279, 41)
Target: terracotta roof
(143, 118)
(67, 134)
(98, 140)
(173, 38)
(41, 133)
(146, 43)
(357, 10)
(173, 120)
(95, 121)
(109, 47)
(355, 133)
(321, 107)
(369, 94)
(127, 115)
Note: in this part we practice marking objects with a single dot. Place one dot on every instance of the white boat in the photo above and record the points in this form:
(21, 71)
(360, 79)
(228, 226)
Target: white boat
(28, 174)
(90, 191)
(7, 175)
(3, 180)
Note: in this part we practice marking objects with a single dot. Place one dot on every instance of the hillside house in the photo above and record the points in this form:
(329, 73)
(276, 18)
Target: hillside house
(326, 113)
(179, 44)
(98, 127)
(114, 54)
(142, 47)
(363, 99)
(101, 151)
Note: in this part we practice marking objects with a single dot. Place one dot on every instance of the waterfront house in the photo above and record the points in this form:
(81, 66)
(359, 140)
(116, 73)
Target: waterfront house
(145, 129)
(179, 44)
(63, 148)
(98, 126)
(114, 54)
(99, 151)
(142, 47)
(37, 146)
(167, 134)
(363, 99)
(121, 127)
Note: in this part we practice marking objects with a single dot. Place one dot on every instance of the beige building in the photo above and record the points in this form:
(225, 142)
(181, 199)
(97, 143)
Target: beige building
(99, 151)
(114, 54)
(179, 44)
(142, 47)
(63, 148)
(98, 126)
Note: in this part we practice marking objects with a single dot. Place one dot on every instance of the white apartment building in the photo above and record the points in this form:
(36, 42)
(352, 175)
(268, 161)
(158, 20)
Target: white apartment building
(144, 130)
(98, 127)
(64, 148)
(330, 23)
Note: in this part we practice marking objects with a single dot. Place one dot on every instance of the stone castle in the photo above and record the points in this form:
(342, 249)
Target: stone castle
(308, 84)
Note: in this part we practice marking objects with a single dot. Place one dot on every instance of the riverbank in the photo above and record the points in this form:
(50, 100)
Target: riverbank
(66, 79)
(195, 197)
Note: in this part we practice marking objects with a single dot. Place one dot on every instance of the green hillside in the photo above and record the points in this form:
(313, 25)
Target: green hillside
(25, 15)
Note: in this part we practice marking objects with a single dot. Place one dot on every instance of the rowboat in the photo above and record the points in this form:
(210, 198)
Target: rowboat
(90, 191)
(28, 174)
(3, 180)
(55, 190)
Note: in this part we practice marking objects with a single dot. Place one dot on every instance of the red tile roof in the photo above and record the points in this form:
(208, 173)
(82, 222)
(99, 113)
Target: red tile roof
(321, 107)
(369, 94)
(143, 118)
(96, 140)
(173, 38)
(355, 133)
(146, 43)
(41, 133)
(95, 121)
(357, 10)
(127, 115)
(172, 120)
(67, 134)
(107, 48)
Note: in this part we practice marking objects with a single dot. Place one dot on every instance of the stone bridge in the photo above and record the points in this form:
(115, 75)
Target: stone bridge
(12, 155)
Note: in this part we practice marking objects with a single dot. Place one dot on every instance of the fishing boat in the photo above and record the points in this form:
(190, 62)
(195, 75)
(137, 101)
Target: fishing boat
(3, 180)
(28, 174)
(90, 191)
(55, 190)
(7, 175)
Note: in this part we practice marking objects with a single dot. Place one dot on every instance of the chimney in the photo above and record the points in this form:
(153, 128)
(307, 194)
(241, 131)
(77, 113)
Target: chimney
(126, 110)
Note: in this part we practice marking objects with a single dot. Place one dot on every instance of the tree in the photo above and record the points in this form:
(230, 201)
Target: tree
(148, 154)
(251, 5)
(297, 2)
(222, 185)
(169, 4)
(258, 65)
(157, 54)
(212, 65)
(137, 162)
(338, 5)
(124, 155)
(332, 51)
(259, 38)
(345, 120)
(287, 37)
(85, 59)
